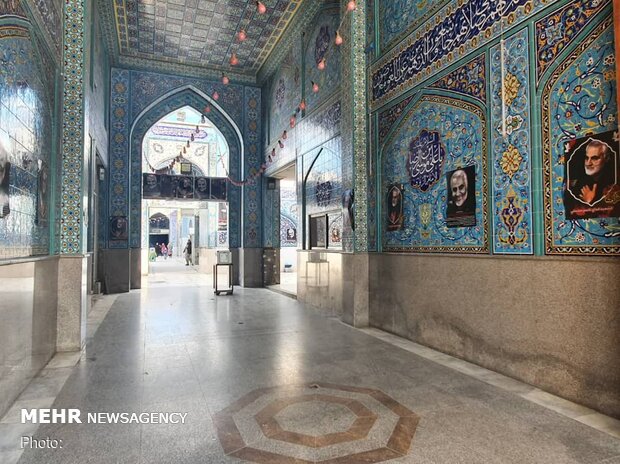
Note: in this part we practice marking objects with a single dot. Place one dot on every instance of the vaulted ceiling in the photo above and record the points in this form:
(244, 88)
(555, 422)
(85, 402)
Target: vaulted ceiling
(200, 34)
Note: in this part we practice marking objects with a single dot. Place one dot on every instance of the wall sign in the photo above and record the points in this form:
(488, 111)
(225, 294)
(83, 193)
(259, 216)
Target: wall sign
(467, 22)
(426, 158)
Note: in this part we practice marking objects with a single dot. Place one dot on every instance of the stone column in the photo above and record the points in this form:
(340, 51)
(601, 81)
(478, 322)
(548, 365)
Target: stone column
(354, 150)
(251, 253)
(72, 301)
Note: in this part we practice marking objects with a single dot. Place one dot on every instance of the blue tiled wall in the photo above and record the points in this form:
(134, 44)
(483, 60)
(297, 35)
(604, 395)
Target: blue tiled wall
(27, 80)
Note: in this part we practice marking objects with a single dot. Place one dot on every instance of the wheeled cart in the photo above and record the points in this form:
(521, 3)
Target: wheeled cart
(228, 290)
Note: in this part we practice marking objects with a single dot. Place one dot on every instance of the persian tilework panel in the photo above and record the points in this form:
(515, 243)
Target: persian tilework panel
(119, 148)
(578, 101)
(13, 8)
(388, 117)
(319, 127)
(271, 208)
(253, 160)
(324, 180)
(285, 93)
(511, 146)
(360, 121)
(289, 219)
(26, 105)
(555, 32)
(151, 117)
(460, 27)
(370, 26)
(71, 240)
(102, 219)
(146, 87)
(459, 142)
(397, 17)
(469, 79)
(200, 33)
(348, 242)
(320, 45)
(49, 14)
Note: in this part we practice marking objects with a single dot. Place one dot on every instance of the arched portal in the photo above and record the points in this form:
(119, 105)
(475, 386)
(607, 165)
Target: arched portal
(169, 103)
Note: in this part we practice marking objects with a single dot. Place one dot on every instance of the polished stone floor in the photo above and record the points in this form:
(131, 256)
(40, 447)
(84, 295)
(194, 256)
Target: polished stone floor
(264, 380)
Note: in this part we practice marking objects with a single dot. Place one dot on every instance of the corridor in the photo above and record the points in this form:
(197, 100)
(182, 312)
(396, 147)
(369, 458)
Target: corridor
(264, 380)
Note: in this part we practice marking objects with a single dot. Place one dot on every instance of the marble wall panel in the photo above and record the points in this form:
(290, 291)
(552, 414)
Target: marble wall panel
(28, 298)
(559, 335)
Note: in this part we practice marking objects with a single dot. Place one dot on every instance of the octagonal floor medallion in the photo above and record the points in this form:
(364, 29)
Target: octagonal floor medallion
(316, 423)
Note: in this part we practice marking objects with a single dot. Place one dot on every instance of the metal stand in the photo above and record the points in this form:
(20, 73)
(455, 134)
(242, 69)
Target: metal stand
(227, 291)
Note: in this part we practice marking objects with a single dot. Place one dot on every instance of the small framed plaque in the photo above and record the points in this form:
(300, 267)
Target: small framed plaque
(224, 257)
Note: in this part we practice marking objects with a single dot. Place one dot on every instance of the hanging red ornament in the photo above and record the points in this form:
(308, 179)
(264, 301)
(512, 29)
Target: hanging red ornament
(338, 40)
(351, 5)
(216, 96)
(280, 144)
(225, 79)
(284, 135)
(208, 108)
(315, 87)
(292, 122)
(321, 64)
(302, 105)
(242, 35)
(260, 7)
(191, 137)
(234, 61)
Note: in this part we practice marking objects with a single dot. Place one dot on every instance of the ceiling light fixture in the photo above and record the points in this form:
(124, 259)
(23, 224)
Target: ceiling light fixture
(216, 96)
(260, 7)
(321, 64)
(315, 87)
(225, 79)
(241, 36)
(302, 105)
(234, 61)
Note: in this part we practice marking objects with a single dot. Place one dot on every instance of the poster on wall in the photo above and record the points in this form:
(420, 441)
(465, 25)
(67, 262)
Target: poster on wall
(119, 228)
(592, 189)
(318, 231)
(461, 208)
(218, 189)
(395, 214)
(165, 186)
(5, 170)
(335, 230)
(42, 205)
(201, 188)
(185, 187)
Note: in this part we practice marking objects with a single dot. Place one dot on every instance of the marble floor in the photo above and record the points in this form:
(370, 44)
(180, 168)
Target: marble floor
(263, 380)
(287, 285)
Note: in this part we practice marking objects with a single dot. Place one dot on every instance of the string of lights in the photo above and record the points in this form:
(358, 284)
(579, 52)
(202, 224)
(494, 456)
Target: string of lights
(234, 61)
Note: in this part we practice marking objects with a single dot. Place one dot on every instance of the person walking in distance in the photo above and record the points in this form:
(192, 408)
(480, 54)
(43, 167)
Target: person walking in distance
(187, 252)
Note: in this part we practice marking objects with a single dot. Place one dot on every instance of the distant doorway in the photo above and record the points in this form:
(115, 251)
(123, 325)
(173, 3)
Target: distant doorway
(185, 160)
(289, 229)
